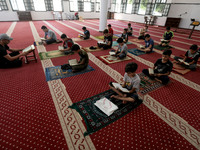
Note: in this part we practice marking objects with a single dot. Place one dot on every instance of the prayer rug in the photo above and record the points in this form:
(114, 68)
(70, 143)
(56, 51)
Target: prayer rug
(51, 54)
(79, 39)
(54, 73)
(137, 40)
(87, 49)
(180, 69)
(94, 118)
(147, 85)
(116, 44)
(102, 37)
(118, 35)
(136, 52)
(162, 47)
(107, 59)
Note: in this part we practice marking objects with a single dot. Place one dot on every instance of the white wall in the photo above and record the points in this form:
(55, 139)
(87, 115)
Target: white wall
(192, 12)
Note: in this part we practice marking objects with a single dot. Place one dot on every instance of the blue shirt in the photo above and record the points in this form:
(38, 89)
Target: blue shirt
(148, 43)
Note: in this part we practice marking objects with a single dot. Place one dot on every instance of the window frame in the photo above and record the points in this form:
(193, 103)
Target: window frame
(4, 2)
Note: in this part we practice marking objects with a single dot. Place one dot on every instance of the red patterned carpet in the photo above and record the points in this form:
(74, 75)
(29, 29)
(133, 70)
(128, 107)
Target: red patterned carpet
(35, 114)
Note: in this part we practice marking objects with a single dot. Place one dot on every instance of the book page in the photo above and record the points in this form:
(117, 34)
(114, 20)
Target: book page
(73, 62)
(29, 48)
(112, 53)
(60, 47)
(151, 71)
(118, 86)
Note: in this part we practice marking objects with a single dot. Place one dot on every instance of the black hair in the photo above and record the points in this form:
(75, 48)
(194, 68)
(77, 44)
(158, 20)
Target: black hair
(105, 31)
(125, 29)
(63, 36)
(75, 47)
(131, 67)
(167, 52)
(147, 36)
(119, 40)
(84, 28)
(194, 47)
(43, 27)
(168, 28)
(109, 25)
(129, 24)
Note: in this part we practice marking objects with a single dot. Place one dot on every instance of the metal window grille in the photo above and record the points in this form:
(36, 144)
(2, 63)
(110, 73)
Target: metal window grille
(166, 10)
(49, 5)
(80, 6)
(135, 8)
(92, 6)
(28, 4)
(149, 8)
(3, 5)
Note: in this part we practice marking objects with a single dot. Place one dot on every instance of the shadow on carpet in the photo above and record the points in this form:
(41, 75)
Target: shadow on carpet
(54, 73)
(51, 54)
(94, 118)
(161, 47)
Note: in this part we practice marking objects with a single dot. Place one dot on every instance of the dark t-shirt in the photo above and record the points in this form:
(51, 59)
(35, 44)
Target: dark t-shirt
(163, 67)
(108, 39)
(83, 57)
(191, 57)
(168, 35)
(87, 34)
(124, 36)
(68, 43)
(148, 43)
(3, 52)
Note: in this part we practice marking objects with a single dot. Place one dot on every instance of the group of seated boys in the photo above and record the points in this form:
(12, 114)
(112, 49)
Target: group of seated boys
(161, 70)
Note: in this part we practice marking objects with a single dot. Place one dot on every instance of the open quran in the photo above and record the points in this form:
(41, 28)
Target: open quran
(29, 48)
(73, 62)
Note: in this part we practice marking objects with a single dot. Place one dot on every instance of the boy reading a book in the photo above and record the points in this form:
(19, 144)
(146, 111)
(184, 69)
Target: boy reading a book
(124, 35)
(190, 59)
(107, 41)
(110, 30)
(131, 82)
(9, 60)
(122, 49)
(67, 44)
(162, 68)
(168, 35)
(81, 64)
(130, 30)
(86, 34)
(49, 37)
(149, 44)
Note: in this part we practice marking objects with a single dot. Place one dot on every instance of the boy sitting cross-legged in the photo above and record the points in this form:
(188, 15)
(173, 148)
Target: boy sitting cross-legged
(162, 68)
(131, 82)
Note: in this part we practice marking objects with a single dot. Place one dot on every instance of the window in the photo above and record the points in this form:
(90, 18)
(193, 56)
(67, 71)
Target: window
(39, 5)
(3, 5)
(135, 6)
(80, 5)
(159, 7)
(123, 6)
(73, 5)
(166, 10)
(57, 6)
(113, 4)
(48, 5)
(97, 6)
(18, 5)
(28, 5)
(87, 6)
(129, 6)
(143, 6)
(117, 6)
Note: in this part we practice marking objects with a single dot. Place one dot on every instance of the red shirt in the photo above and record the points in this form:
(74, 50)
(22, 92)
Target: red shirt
(110, 30)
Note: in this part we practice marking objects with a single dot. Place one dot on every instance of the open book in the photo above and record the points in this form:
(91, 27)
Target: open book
(151, 71)
(101, 42)
(73, 62)
(43, 39)
(118, 86)
(106, 106)
(181, 60)
(163, 40)
(60, 47)
(80, 35)
(29, 48)
(141, 46)
(112, 53)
